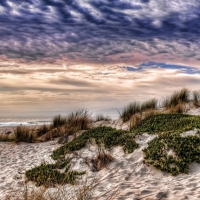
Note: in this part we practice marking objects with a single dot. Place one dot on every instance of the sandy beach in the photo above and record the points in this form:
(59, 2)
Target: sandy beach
(127, 177)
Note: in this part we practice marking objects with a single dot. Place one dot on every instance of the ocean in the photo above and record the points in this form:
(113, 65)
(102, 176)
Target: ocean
(24, 121)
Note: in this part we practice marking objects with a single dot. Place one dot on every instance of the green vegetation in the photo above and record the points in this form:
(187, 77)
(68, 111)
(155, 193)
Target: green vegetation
(48, 174)
(185, 151)
(167, 123)
(24, 134)
(102, 135)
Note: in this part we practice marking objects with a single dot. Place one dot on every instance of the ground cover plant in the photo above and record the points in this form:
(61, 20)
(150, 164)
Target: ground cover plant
(167, 122)
(49, 174)
(185, 150)
(107, 136)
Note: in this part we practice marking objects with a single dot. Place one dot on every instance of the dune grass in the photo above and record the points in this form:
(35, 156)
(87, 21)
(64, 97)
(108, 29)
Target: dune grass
(102, 160)
(177, 98)
(101, 117)
(58, 120)
(149, 105)
(43, 129)
(130, 110)
(107, 136)
(80, 120)
(49, 174)
(137, 107)
(7, 138)
(196, 98)
(160, 123)
(185, 151)
(24, 134)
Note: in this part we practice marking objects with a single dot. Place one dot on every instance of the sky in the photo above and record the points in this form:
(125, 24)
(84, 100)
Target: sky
(58, 56)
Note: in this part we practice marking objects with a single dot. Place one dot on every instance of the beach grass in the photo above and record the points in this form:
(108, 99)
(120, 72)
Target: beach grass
(179, 97)
(25, 134)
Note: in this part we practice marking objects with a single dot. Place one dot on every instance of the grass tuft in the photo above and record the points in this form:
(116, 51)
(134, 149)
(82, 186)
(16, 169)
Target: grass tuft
(24, 134)
(196, 98)
(101, 117)
(177, 98)
(58, 121)
(43, 129)
(6, 137)
(149, 105)
(102, 160)
(130, 110)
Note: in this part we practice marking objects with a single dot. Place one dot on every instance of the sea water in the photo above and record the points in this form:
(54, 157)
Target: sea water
(28, 121)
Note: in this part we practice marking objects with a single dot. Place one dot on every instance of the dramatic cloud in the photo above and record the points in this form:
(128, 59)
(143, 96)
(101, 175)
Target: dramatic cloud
(94, 31)
(58, 55)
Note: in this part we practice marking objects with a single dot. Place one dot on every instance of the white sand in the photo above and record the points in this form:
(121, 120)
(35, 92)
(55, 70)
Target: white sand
(133, 179)
(126, 178)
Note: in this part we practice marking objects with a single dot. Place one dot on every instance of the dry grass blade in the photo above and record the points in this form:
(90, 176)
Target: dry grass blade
(177, 98)
(101, 117)
(196, 98)
(102, 160)
(25, 134)
(130, 110)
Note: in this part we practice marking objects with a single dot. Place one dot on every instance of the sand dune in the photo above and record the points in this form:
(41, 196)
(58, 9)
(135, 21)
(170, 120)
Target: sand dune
(127, 177)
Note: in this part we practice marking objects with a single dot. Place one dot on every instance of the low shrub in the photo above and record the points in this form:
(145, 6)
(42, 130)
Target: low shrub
(49, 175)
(167, 122)
(185, 151)
(24, 134)
(102, 135)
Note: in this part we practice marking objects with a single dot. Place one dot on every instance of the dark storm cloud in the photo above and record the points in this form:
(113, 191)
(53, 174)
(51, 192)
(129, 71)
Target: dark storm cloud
(92, 30)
